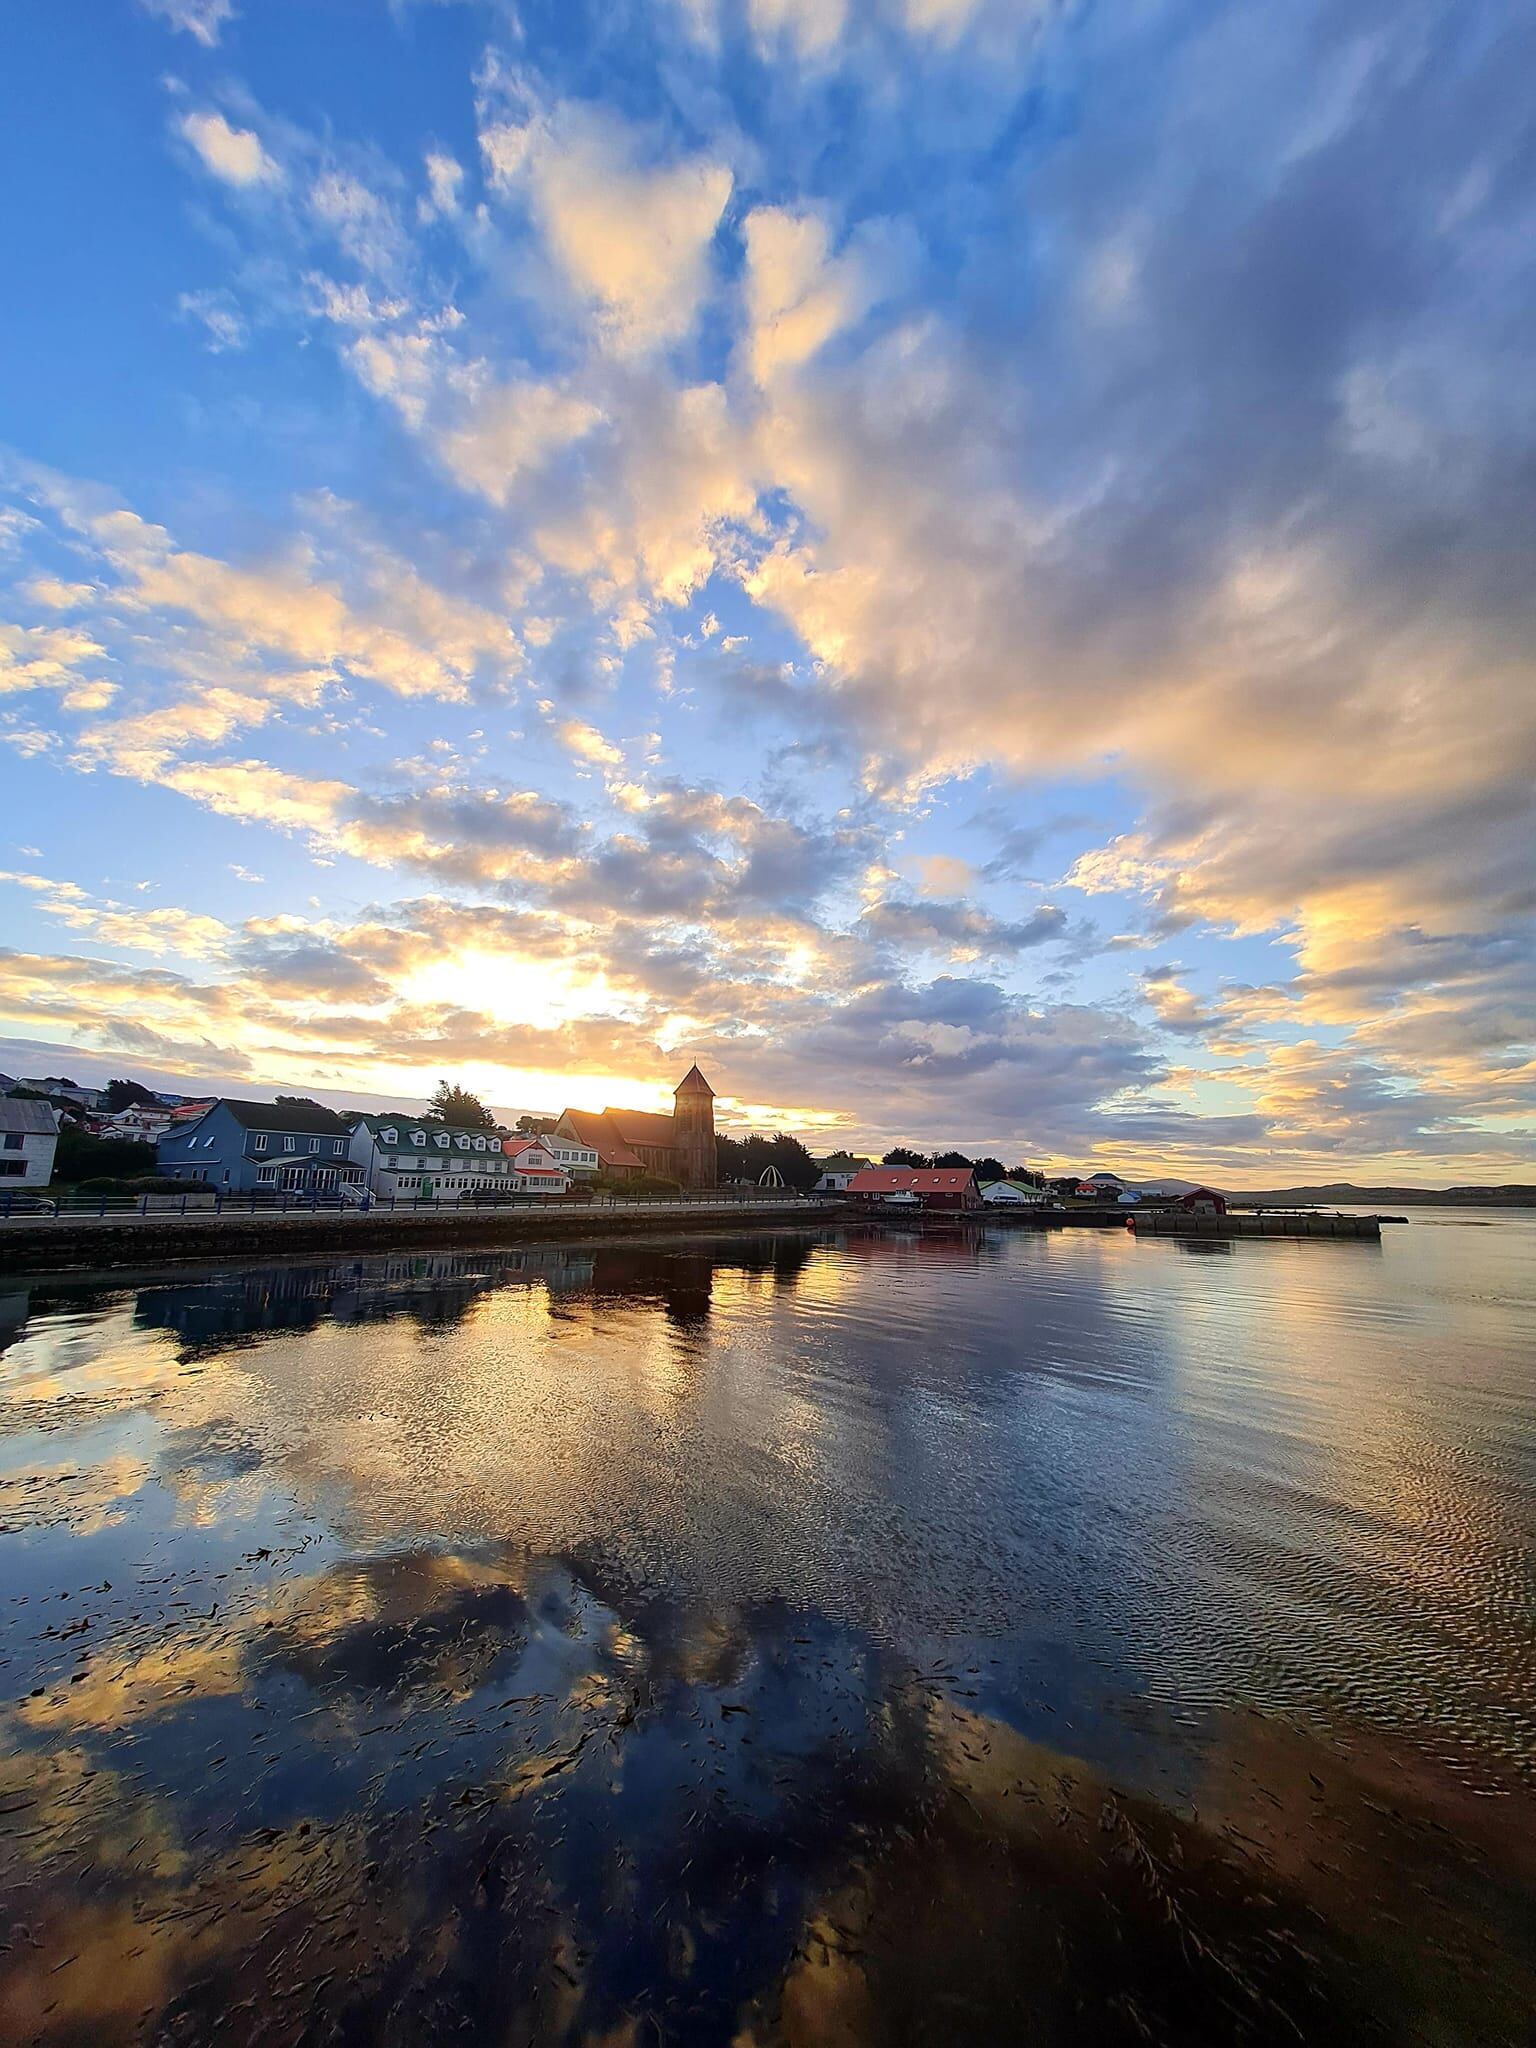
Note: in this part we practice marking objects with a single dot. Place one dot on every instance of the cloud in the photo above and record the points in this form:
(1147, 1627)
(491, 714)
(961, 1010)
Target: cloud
(233, 154)
(445, 179)
(140, 927)
(362, 220)
(961, 929)
(810, 28)
(43, 657)
(220, 317)
(588, 744)
(504, 430)
(798, 296)
(631, 236)
(202, 19)
(394, 629)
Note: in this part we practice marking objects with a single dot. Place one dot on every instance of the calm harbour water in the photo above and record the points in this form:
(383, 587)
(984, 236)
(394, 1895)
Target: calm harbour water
(815, 1638)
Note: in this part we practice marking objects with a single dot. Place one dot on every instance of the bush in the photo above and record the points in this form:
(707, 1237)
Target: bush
(80, 1157)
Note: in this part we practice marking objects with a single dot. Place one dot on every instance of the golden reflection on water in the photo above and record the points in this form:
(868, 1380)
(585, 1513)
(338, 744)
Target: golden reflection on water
(786, 1640)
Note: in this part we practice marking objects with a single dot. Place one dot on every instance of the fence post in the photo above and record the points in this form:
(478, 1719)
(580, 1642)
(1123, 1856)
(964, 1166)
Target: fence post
(103, 1209)
(183, 1205)
(143, 1205)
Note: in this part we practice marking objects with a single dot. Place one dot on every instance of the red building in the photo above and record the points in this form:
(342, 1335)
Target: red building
(1203, 1202)
(935, 1187)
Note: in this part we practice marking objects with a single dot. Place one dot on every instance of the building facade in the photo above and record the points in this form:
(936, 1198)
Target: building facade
(579, 1161)
(931, 1187)
(238, 1147)
(630, 1143)
(412, 1158)
(143, 1124)
(29, 1137)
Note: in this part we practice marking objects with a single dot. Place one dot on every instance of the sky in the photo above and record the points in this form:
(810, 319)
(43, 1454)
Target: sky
(965, 564)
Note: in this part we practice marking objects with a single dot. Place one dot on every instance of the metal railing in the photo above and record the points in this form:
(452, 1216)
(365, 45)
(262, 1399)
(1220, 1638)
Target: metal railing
(198, 1200)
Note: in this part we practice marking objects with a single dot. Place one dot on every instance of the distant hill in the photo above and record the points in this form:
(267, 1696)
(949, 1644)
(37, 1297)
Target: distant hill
(1512, 1195)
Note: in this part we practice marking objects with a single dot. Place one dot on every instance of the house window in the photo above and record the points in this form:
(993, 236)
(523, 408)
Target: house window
(390, 1137)
(289, 1143)
(442, 1139)
(479, 1144)
(259, 1142)
(13, 1141)
(314, 1144)
(13, 1169)
(418, 1137)
(338, 1144)
(462, 1143)
(266, 1174)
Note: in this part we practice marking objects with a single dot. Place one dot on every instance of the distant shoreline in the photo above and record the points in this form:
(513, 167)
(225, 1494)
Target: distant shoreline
(1515, 1196)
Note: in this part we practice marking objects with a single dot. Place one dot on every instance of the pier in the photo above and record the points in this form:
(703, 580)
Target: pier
(1259, 1223)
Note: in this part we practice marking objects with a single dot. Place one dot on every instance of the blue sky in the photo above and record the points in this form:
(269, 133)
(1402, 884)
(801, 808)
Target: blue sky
(965, 564)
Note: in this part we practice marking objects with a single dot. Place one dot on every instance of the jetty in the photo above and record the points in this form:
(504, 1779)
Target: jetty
(1256, 1223)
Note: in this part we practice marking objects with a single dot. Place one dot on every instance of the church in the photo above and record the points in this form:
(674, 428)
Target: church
(631, 1142)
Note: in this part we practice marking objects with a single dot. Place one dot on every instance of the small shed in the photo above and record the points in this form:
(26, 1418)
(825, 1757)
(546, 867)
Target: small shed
(1203, 1202)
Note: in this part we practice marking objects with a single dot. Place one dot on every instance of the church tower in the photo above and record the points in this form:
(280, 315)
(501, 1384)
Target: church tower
(693, 1130)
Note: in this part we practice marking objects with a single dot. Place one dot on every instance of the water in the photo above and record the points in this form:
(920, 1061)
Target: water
(812, 1638)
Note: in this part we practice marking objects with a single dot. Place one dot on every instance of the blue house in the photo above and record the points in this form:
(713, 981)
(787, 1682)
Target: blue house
(289, 1147)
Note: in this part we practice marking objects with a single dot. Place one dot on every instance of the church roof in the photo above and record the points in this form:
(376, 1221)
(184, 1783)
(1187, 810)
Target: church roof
(693, 1083)
(642, 1126)
(600, 1132)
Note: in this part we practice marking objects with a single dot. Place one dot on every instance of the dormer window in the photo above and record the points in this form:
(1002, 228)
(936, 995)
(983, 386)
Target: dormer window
(418, 1137)
(390, 1137)
(479, 1144)
(462, 1143)
(443, 1140)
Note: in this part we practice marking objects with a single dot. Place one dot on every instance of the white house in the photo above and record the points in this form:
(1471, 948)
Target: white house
(579, 1161)
(412, 1158)
(66, 1090)
(29, 1136)
(536, 1165)
(1004, 1194)
(145, 1123)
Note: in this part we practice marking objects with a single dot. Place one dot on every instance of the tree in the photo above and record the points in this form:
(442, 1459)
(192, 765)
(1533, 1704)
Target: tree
(458, 1106)
(79, 1156)
(123, 1095)
(990, 1169)
(1030, 1175)
(749, 1158)
(535, 1126)
(299, 1101)
(952, 1159)
(902, 1155)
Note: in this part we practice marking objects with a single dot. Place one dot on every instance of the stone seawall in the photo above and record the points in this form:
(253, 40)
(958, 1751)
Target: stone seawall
(56, 1244)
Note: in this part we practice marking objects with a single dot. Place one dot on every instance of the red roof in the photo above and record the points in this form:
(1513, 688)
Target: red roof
(912, 1180)
(601, 1135)
(642, 1126)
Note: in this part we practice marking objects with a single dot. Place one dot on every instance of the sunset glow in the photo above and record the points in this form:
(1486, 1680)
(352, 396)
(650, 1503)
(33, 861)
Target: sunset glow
(963, 566)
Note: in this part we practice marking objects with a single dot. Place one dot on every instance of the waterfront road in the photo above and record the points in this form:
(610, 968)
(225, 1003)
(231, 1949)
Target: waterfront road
(43, 1242)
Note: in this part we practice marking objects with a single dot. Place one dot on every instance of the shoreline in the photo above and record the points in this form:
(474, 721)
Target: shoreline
(86, 1246)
